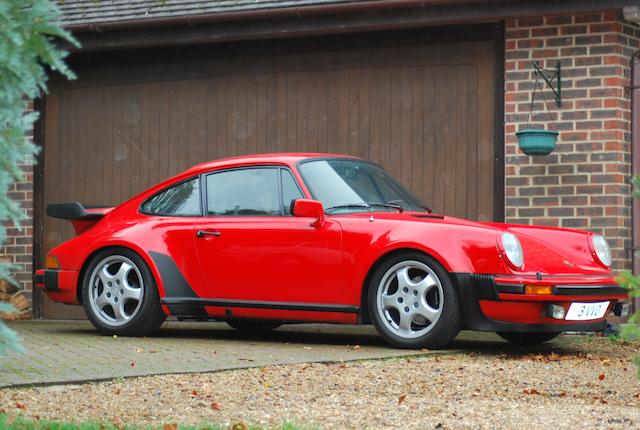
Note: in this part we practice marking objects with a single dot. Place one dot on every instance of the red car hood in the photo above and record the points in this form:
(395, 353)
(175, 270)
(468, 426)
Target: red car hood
(547, 250)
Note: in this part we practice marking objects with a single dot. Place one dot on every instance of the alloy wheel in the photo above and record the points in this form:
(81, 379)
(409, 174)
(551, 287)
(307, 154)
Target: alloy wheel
(116, 290)
(410, 299)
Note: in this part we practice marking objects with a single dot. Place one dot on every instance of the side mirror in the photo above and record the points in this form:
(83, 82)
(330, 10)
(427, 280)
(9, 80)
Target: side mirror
(309, 209)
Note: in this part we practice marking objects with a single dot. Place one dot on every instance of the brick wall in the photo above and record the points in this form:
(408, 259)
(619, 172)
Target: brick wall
(18, 246)
(585, 182)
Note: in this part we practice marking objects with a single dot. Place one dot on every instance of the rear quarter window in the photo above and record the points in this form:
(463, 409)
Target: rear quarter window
(179, 200)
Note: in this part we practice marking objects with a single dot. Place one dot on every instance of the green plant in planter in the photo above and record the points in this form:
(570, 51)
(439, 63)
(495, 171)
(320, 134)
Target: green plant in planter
(28, 50)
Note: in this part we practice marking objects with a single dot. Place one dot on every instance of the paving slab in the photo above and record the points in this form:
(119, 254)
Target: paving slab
(73, 351)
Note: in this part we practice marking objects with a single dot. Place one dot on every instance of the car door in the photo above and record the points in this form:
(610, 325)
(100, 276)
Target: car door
(167, 233)
(252, 249)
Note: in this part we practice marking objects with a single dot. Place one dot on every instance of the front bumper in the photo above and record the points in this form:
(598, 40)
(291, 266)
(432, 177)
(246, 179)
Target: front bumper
(60, 285)
(493, 303)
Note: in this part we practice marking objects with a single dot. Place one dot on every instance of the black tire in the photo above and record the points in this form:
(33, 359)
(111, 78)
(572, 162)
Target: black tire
(149, 315)
(253, 326)
(447, 326)
(527, 339)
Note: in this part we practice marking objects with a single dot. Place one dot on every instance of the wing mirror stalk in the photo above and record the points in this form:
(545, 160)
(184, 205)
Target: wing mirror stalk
(309, 209)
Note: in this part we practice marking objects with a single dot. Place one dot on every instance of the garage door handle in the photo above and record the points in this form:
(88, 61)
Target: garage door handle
(203, 233)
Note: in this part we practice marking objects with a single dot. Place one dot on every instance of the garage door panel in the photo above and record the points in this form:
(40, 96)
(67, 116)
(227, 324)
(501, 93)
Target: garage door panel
(424, 112)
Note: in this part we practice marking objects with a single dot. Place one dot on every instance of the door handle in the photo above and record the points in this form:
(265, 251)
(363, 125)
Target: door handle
(203, 233)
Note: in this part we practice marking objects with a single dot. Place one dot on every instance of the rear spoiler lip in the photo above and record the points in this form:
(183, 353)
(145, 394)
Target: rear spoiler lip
(76, 211)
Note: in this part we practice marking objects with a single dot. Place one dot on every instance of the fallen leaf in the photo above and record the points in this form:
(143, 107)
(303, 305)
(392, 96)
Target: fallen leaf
(216, 406)
(172, 426)
(194, 393)
(21, 406)
(601, 376)
(401, 399)
(239, 426)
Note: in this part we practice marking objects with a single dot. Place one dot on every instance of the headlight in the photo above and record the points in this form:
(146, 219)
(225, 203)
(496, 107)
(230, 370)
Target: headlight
(512, 250)
(601, 250)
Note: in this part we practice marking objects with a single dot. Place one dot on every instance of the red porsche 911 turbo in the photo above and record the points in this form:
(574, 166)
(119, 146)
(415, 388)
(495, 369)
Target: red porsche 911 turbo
(263, 240)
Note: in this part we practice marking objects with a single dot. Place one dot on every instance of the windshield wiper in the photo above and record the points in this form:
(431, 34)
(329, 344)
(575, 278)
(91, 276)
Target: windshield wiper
(349, 205)
(387, 205)
(397, 202)
(366, 205)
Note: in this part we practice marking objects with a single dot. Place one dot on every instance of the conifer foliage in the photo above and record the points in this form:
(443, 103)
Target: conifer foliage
(31, 34)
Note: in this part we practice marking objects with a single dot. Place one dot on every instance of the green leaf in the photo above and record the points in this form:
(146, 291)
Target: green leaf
(30, 36)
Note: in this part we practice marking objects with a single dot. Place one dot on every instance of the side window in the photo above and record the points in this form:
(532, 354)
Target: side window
(290, 191)
(243, 192)
(180, 200)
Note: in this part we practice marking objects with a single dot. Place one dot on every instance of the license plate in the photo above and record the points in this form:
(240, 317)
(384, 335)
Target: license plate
(587, 311)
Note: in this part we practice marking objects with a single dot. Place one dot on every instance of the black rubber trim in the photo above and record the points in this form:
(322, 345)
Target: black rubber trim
(254, 304)
(39, 278)
(485, 286)
(187, 310)
(72, 210)
(51, 280)
(588, 290)
(175, 284)
(510, 288)
(476, 320)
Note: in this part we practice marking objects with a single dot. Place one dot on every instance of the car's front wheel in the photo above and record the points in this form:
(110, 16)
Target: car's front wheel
(119, 294)
(413, 303)
(527, 339)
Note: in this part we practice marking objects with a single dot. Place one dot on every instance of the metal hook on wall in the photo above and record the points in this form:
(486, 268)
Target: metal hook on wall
(549, 76)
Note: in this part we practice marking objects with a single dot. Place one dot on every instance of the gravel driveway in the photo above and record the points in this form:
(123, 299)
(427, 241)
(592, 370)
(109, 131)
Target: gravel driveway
(583, 383)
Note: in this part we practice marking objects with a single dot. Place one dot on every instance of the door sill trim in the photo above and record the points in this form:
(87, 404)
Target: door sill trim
(254, 304)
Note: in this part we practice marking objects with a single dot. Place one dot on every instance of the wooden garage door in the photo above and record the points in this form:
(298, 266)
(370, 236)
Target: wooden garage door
(424, 111)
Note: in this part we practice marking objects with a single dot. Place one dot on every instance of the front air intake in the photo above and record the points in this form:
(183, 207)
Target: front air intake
(485, 287)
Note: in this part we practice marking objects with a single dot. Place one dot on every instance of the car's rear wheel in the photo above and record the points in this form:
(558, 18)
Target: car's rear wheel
(412, 302)
(119, 294)
(527, 339)
(253, 326)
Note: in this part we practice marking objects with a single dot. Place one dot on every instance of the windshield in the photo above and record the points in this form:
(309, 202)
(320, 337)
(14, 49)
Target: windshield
(354, 186)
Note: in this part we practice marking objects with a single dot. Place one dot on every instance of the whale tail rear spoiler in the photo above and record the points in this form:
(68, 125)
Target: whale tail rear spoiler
(82, 217)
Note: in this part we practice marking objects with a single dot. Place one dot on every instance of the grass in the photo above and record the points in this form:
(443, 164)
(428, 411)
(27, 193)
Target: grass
(19, 423)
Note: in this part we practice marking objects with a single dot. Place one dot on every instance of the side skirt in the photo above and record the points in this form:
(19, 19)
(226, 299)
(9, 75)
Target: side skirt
(253, 304)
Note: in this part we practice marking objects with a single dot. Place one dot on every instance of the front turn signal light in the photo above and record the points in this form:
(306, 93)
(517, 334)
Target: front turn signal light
(538, 289)
(52, 262)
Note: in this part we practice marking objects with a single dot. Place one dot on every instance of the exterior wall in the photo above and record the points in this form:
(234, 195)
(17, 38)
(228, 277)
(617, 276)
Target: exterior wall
(18, 246)
(585, 182)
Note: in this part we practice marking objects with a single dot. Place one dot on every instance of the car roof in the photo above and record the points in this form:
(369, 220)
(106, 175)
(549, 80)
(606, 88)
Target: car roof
(285, 158)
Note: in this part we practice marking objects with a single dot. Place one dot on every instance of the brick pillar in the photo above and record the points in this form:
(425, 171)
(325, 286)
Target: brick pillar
(18, 246)
(585, 182)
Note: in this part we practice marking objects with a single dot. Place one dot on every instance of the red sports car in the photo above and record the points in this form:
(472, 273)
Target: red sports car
(262, 240)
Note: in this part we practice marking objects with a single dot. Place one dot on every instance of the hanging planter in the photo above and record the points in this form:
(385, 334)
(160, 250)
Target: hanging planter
(537, 142)
(540, 142)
